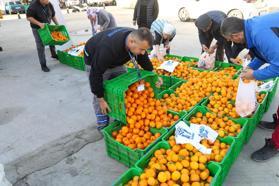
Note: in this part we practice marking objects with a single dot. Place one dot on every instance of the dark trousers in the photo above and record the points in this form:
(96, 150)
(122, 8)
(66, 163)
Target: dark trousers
(41, 48)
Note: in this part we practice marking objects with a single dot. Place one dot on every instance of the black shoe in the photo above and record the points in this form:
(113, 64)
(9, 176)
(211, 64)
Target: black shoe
(45, 68)
(1, 49)
(269, 125)
(266, 152)
(55, 56)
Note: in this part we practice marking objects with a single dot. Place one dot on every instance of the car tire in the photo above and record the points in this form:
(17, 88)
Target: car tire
(183, 14)
(235, 13)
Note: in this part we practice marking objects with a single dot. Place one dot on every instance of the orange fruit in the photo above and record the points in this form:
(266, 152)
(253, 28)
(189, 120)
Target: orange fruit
(175, 176)
(162, 177)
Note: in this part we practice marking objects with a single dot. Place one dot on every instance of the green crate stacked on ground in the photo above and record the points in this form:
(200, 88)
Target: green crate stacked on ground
(231, 154)
(214, 168)
(76, 62)
(47, 39)
(219, 65)
(115, 91)
(172, 89)
(239, 139)
(271, 93)
(253, 120)
(122, 153)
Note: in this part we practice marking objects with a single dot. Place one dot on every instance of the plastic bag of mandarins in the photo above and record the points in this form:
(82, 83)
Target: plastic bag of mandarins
(206, 61)
(246, 100)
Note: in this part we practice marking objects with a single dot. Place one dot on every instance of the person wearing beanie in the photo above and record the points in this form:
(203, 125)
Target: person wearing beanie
(163, 33)
(208, 26)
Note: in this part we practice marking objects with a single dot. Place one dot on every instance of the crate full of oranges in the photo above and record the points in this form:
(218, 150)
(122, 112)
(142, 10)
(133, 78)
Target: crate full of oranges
(54, 34)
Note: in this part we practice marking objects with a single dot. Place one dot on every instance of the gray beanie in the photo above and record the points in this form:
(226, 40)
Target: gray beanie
(203, 22)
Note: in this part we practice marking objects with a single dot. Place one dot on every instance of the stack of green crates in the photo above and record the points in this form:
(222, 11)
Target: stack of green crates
(220, 170)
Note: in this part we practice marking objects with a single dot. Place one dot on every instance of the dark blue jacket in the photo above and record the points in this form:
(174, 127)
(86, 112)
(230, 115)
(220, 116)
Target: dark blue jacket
(262, 38)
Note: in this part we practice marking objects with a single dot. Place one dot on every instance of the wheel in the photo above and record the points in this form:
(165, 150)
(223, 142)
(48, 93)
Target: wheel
(235, 13)
(183, 14)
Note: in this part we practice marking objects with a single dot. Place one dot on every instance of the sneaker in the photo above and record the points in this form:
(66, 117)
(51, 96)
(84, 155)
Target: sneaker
(45, 68)
(269, 125)
(266, 152)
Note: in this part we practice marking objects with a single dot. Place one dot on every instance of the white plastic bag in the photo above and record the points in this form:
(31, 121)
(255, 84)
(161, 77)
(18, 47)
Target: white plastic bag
(246, 100)
(206, 61)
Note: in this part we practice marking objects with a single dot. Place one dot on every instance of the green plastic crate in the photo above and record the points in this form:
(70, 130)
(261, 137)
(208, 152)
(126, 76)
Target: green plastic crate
(227, 161)
(222, 65)
(76, 62)
(45, 34)
(243, 122)
(127, 176)
(252, 121)
(174, 56)
(115, 91)
(122, 153)
(272, 94)
(169, 82)
(214, 168)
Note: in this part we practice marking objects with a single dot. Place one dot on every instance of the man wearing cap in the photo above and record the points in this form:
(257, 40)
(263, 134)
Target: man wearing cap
(208, 26)
(163, 33)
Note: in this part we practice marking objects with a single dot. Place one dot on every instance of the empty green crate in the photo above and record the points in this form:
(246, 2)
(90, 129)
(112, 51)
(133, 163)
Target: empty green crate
(122, 153)
(47, 39)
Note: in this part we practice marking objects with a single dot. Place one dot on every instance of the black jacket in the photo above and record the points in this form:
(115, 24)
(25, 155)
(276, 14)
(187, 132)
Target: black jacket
(106, 50)
(41, 13)
(231, 50)
(147, 16)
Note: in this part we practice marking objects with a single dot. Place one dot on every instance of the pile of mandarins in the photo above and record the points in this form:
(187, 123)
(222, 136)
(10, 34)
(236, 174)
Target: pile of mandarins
(180, 165)
(220, 124)
(143, 112)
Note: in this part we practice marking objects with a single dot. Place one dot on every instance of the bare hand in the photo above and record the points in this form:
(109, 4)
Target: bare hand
(41, 25)
(247, 74)
(167, 47)
(159, 83)
(104, 106)
(204, 48)
(160, 57)
(248, 56)
(236, 61)
(211, 50)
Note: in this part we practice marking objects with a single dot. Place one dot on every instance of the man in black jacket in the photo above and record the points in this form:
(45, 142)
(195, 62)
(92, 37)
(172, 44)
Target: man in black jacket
(208, 26)
(105, 55)
(39, 13)
(146, 11)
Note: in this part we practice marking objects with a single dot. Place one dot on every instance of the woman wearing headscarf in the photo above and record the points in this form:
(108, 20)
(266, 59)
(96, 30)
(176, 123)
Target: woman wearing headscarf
(100, 20)
(163, 33)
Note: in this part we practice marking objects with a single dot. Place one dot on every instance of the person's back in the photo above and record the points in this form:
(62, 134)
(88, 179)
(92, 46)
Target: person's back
(217, 16)
(112, 41)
